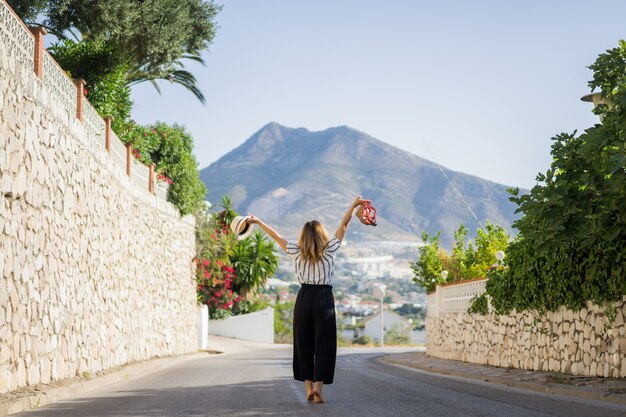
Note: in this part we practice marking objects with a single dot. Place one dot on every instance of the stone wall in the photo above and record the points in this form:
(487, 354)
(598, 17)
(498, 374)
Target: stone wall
(96, 271)
(590, 342)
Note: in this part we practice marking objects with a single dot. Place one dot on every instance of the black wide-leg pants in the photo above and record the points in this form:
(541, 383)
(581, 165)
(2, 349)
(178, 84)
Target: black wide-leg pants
(314, 334)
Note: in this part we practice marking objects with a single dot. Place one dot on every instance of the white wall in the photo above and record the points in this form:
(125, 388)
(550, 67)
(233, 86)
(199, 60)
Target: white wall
(255, 327)
(590, 341)
(372, 325)
(95, 271)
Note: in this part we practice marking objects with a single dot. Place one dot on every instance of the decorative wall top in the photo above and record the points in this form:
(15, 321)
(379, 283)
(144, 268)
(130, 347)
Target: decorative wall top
(454, 298)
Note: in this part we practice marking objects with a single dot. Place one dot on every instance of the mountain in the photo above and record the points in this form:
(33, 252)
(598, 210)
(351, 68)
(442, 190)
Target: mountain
(287, 176)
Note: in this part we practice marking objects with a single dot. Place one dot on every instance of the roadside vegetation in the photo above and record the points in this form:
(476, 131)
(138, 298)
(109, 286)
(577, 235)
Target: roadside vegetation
(570, 247)
(468, 260)
(570, 243)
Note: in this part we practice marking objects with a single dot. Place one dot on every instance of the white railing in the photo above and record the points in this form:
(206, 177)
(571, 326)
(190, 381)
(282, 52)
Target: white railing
(16, 37)
(95, 126)
(118, 151)
(139, 174)
(59, 86)
(454, 298)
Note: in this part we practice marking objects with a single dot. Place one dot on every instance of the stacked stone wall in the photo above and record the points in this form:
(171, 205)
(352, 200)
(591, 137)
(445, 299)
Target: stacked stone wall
(95, 271)
(591, 341)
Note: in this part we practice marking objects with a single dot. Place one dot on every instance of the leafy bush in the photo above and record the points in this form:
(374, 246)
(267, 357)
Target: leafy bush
(254, 258)
(398, 334)
(468, 260)
(215, 288)
(474, 260)
(363, 340)
(570, 247)
(214, 274)
(104, 73)
(251, 306)
(427, 269)
(144, 139)
(171, 148)
(479, 305)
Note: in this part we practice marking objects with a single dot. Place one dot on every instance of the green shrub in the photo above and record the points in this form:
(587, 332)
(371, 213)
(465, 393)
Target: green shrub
(398, 334)
(214, 273)
(479, 305)
(251, 306)
(570, 247)
(427, 269)
(172, 151)
(468, 260)
(363, 340)
(104, 73)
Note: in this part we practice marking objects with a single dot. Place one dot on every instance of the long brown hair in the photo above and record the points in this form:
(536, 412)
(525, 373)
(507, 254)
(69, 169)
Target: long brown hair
(313, 241)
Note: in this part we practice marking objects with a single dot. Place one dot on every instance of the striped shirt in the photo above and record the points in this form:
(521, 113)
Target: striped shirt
(320, 273)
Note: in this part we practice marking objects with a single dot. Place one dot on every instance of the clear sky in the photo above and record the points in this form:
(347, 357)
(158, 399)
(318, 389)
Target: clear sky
(483, 84)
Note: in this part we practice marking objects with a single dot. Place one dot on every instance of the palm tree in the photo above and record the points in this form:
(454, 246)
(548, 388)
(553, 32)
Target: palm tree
(254, 260)
(173, 73)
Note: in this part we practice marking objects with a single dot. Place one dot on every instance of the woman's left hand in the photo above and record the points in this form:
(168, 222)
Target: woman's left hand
(358, 201)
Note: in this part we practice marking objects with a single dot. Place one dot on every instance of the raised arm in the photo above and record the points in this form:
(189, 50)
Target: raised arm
(343, 226)
(282, 242)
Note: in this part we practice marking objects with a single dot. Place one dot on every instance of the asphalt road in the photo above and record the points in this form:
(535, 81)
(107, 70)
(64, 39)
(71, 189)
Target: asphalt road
(259, 383)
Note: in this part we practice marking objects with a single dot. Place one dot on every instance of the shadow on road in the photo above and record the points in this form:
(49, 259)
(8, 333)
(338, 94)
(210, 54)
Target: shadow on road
(246, 399)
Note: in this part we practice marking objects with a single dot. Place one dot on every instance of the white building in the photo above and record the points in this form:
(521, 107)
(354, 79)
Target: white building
(372, 323)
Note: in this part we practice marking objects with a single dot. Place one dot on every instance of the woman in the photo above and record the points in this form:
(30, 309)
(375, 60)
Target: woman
(314, 326)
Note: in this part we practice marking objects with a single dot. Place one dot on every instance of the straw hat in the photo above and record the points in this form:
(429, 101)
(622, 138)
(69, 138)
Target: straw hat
(240, 227)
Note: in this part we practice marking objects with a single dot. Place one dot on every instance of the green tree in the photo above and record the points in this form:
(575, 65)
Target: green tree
(28, 10)
(154, 38)
(427, 269)
(462, 253)
(570, 244)
(481, 255)
(468, 260)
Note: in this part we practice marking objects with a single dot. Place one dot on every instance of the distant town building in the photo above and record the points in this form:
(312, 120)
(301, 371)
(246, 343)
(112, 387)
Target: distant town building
(351, 307)
(372, 323)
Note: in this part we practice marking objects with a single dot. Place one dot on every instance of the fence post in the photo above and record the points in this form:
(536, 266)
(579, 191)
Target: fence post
(107, 133)
(439, 293)
(39, 33)
(151, 180)
(80, 95)
(129, 154)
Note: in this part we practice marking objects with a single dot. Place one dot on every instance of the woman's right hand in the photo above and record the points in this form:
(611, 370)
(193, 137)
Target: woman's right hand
(252, 219)
(282, 242)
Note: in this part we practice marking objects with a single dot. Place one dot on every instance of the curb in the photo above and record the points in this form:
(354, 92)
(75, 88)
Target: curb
(545, 387)
(53, 394)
